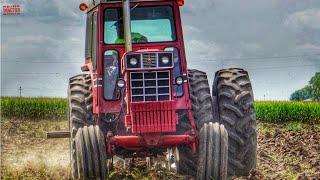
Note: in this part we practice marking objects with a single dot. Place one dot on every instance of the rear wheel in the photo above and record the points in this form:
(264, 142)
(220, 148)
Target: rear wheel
(80, 111)
(202, 113)
(200, 97)
(234, 97)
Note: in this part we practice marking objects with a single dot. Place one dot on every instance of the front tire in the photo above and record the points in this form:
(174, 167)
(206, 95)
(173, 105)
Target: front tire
(233, 95)
(213, 156)
(91, 153)
(80, 112)
(202, 113)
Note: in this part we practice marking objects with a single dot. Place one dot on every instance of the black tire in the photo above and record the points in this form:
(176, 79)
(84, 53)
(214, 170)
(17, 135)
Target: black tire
(186, 161)
(80, 111)
(213, 146)
(202, 113)
(234, 97)
(200, 97)
(80, 101)
(91, 153)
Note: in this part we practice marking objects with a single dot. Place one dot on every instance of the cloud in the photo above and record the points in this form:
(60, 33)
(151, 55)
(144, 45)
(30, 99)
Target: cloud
(191, 29)
(202, 50)
(250, 46)
(32, 39)
(309, 48)
(307, 18)
(47, 11)
(193, 7)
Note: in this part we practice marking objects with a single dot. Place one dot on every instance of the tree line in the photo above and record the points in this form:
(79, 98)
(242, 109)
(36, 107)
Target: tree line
(310, 91)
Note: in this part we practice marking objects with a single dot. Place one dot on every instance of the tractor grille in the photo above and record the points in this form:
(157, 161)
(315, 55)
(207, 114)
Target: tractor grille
(150, 86)
(149, 60)
(153, 117)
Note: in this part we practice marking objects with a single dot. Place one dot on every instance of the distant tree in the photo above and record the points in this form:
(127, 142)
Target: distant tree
(315, 86)
(302, 94)
(311, 91)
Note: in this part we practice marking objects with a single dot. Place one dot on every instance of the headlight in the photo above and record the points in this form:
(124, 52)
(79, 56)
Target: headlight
(133, 61)
(165, 60)
(179, 80)
(121, 83)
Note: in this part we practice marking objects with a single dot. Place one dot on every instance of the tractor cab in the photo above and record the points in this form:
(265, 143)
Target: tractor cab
(135, 52)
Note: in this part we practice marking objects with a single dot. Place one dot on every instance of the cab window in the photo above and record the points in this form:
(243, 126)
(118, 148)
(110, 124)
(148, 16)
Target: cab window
(148, 25)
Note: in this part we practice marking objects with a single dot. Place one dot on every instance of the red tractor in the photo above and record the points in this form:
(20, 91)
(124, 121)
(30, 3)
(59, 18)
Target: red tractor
(137, 98)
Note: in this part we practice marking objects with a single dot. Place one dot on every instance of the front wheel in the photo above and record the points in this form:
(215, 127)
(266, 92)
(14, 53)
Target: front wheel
(213, 152)
(202, 113)
(233, 96)
(80, 112)
(90, 150)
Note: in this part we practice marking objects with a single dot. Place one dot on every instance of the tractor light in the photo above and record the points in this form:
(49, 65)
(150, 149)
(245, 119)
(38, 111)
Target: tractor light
(133, 61)
(83, 6)
(179, 80)
(180, 2)
(121, 83)
(165, 60)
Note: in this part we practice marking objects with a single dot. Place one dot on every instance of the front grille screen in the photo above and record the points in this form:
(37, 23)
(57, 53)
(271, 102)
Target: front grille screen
(149, 60)
(150, 86)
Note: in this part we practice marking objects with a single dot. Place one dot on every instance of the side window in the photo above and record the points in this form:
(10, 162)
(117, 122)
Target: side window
(111, 74)
(88, 49)
(94, 40)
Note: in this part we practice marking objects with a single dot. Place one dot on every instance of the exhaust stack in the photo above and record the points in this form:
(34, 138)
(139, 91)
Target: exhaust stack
(127, 25)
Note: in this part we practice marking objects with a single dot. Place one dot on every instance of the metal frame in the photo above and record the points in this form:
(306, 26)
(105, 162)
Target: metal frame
(157, 87)
(157, 60)
(93, 3)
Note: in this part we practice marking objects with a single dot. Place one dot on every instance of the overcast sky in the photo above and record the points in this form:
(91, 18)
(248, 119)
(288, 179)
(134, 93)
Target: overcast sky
(277, 41)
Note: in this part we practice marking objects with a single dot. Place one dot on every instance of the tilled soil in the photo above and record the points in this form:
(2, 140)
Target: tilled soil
(288, 154)
(284, 152)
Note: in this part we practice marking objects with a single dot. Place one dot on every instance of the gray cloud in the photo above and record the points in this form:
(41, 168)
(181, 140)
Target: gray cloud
(309, 18)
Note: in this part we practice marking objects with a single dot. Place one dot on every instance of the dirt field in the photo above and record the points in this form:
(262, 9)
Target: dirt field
(286, 151)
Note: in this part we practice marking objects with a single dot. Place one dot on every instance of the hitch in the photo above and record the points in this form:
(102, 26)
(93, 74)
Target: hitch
(58, 134)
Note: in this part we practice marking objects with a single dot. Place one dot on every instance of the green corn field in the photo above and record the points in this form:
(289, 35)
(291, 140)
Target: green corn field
(284, 111)
(34, 108)
(56, 108)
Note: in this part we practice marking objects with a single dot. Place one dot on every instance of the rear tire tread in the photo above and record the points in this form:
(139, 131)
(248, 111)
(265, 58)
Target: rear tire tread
(234, 98)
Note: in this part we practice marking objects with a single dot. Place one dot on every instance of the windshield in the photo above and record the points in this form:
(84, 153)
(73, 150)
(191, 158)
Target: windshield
(148, 25)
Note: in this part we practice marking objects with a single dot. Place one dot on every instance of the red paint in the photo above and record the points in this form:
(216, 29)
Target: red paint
(153, 117)
(140, 142)
(150, 122)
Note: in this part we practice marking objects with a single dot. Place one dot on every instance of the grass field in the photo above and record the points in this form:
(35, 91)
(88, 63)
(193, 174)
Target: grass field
(56, 108)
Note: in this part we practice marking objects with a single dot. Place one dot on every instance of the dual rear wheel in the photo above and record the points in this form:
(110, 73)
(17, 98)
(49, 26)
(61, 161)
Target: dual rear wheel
(211, 160)
(231, 105)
